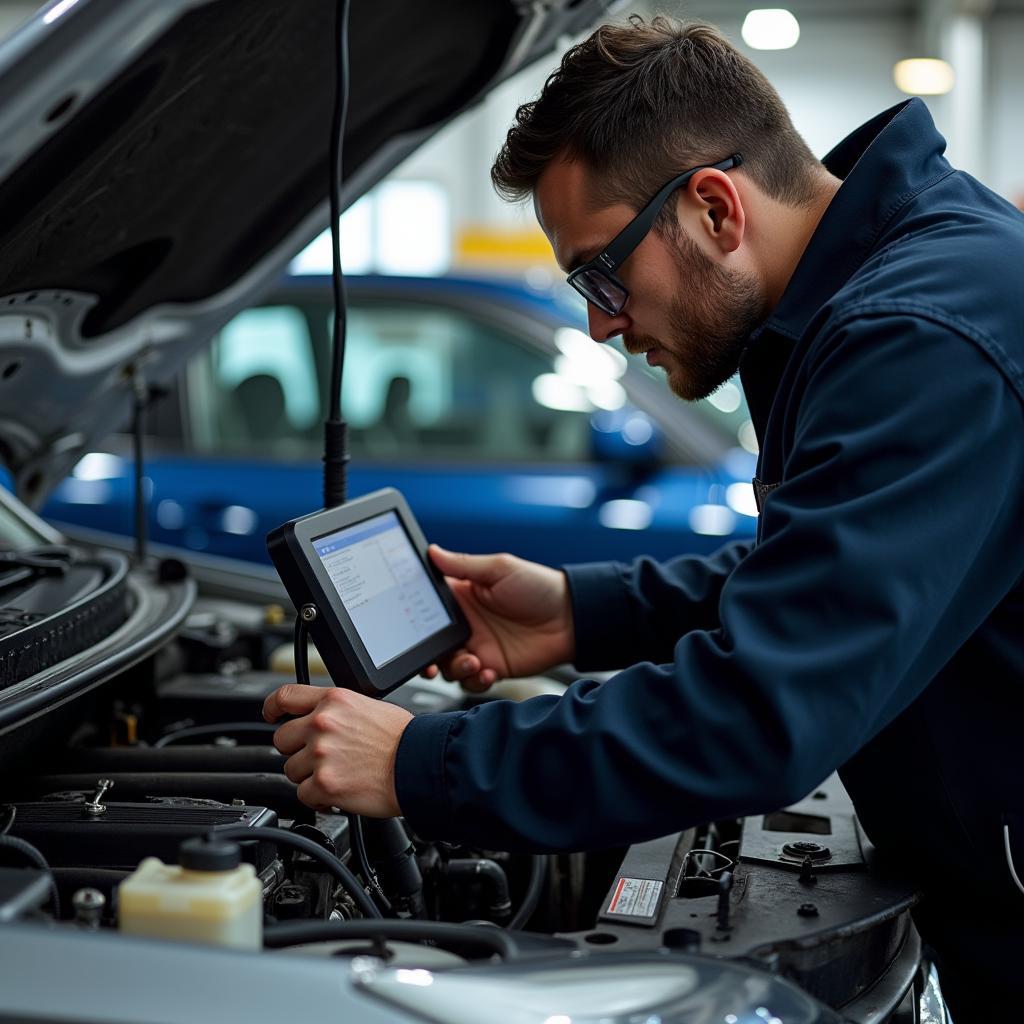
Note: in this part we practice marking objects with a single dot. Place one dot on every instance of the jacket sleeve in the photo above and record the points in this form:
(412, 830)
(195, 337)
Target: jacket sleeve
(892, 537)
(628, 613)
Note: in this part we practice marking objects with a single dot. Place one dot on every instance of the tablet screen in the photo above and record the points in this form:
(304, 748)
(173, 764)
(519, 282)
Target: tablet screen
(383, 585)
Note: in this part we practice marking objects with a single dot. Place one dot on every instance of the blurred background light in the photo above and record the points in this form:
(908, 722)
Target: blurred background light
(608, 394)
(740, 498)
(747, 437)
(712, 520)
(170, 514)
(727, 398)
(554, 391)
(625, 514)
(924, 76)
(86, 492)
(413, 235)
(239, 519)
(595, 361)
(99, 466)
(556, 491)
(638, 429)
(401, 227)
(770, 28)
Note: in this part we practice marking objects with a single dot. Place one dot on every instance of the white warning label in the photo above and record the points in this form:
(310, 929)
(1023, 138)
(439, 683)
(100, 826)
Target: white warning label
(636, 897)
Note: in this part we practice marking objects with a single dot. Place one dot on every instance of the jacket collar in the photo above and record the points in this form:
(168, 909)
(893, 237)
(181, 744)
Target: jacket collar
(884, 164)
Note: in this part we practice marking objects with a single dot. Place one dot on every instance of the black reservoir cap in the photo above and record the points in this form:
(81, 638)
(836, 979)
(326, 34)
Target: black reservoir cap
(209, 855)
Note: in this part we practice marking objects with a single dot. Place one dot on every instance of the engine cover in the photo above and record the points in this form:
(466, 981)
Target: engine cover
(68, 835)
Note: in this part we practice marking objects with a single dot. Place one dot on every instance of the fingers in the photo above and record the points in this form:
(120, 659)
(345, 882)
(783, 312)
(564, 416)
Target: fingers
(313, 795)
(484, 569)
(293, 699)
(291, 736)
(479, 683)
(300, 765)
(461, 665)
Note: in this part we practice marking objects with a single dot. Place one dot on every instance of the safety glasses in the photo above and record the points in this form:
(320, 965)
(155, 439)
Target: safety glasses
(595, 280)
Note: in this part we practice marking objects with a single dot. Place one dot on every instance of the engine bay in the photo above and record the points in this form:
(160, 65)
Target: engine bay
(174, 748)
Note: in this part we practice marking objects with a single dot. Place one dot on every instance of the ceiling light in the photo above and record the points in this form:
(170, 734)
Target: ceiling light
(772, 28)
(924, 76)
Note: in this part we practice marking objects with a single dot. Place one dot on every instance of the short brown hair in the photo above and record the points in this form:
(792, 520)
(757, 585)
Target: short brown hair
(641, 102)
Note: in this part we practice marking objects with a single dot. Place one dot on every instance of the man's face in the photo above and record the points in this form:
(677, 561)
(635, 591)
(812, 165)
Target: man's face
(686, 313)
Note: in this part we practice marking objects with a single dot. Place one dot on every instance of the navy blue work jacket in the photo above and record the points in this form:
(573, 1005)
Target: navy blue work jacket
(876, 625)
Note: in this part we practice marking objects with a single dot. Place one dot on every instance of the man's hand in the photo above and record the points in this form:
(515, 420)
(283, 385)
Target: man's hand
(519, 613)
(342, 752)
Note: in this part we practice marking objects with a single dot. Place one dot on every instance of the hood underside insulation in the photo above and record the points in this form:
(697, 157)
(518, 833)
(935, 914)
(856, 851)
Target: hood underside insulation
(212, 146)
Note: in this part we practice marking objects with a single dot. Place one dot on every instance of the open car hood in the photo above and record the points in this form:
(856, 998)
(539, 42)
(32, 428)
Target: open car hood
(163, 160)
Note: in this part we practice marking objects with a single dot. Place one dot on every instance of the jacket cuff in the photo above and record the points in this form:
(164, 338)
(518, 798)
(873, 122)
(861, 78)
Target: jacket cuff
(420, 783)
(601, 613)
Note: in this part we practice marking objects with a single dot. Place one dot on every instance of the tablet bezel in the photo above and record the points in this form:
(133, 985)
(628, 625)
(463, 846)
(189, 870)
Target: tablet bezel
(307, 581)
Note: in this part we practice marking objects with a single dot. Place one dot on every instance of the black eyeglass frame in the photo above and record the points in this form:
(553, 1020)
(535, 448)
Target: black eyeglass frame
(622, 245)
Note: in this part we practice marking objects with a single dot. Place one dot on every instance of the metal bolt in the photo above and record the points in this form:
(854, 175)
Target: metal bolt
(308, 612)
(88, 905)
(807, 875)
(803, 848)
(94, 808)
(807, 910)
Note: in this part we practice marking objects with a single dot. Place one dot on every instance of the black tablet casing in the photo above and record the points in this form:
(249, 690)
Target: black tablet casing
(308, 583)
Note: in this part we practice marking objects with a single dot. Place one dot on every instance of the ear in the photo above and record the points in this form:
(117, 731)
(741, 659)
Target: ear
(720, 219)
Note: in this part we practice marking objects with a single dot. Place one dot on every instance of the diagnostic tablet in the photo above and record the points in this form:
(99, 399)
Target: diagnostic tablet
(383, 612)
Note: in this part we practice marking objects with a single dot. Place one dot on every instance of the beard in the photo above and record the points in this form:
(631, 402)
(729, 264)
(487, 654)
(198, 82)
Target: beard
(709, 330)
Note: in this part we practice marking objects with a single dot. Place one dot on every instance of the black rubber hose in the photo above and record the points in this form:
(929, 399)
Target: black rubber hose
(175, 758)
(278, 835)
(441, 933)
(219, 729)
(492, 874)
(358, 843)
(355, 825)
(29, 851)
(538, 875)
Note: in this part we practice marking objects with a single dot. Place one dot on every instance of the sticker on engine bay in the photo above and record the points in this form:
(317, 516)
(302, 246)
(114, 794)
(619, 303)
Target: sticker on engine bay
(636, 897)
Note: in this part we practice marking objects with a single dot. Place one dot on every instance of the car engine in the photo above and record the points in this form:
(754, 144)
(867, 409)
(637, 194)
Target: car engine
(173, 747)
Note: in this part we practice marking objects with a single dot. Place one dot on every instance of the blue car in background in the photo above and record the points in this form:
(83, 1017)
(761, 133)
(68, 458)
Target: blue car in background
(484, 401)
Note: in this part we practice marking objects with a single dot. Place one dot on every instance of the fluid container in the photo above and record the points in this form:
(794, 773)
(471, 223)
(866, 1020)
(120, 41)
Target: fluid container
(208, 898)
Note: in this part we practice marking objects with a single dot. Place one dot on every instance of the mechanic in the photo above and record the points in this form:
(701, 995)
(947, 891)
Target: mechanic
(877, 624)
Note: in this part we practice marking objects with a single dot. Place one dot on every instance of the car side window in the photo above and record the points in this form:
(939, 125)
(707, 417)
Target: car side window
(257, 390)
(421, 381)
(434, 382)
